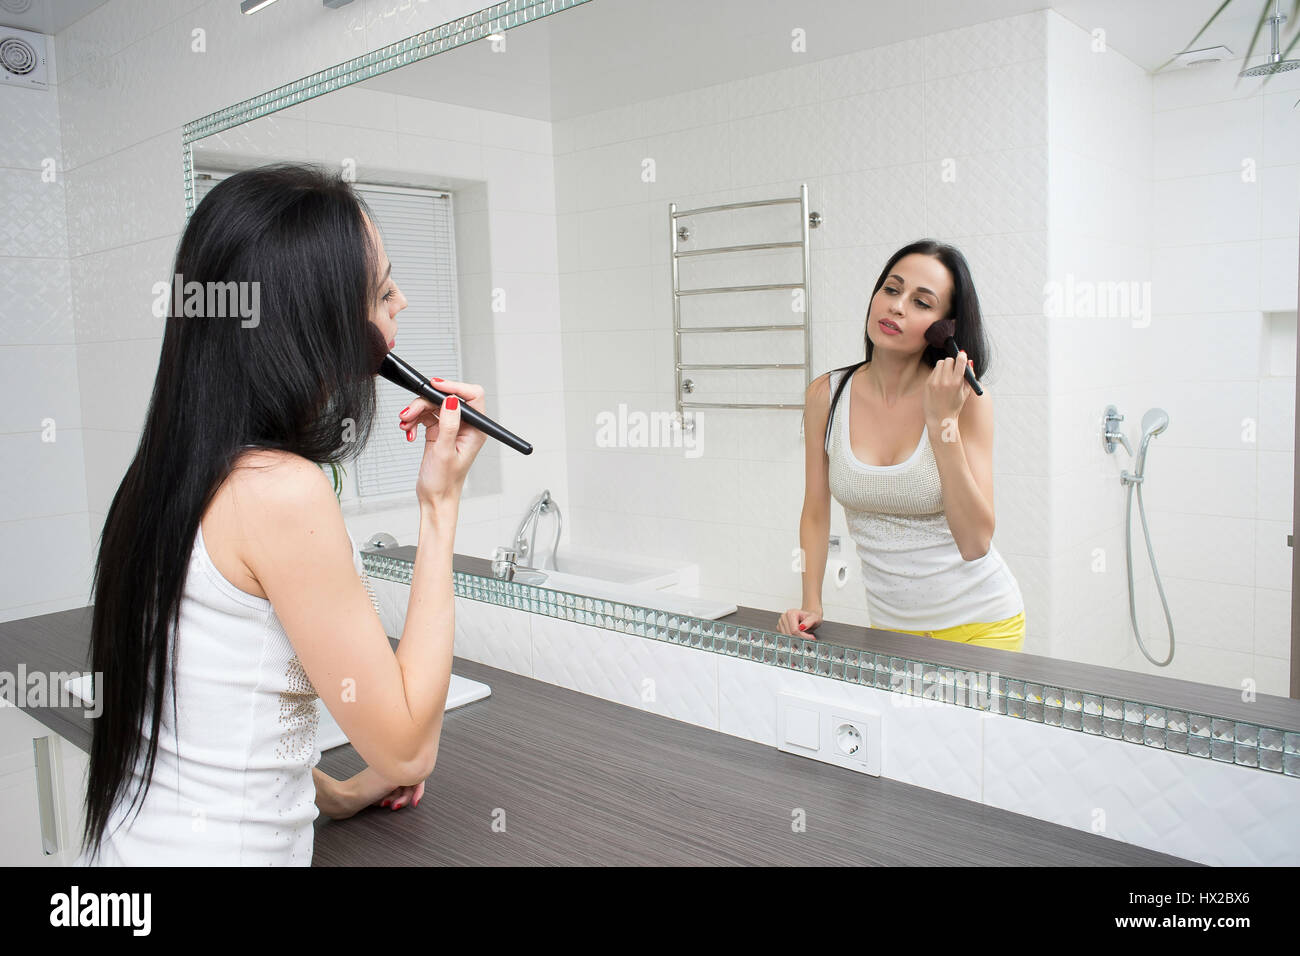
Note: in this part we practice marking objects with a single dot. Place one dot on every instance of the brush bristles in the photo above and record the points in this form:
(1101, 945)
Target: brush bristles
(937, 334)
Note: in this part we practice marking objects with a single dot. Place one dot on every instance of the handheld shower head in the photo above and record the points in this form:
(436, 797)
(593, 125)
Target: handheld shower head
(1155, 421)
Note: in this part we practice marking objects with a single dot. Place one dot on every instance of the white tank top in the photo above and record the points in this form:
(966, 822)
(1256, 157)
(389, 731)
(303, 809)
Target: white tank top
(232, 785)
(915, 576)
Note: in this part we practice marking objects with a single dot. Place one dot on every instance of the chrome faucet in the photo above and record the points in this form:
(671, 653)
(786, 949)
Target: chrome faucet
(1113, 434)
(524, 542)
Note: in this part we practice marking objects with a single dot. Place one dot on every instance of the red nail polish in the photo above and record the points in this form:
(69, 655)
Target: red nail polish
(437, 380)
(410, 436)
(452, 403)
(802, 626)
(385, 803)
(405, 410)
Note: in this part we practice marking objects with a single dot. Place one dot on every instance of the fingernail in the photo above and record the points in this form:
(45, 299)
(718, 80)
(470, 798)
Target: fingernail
(410, 436)
(801, 626)
(416, 804)
(451, 404)
(405, 410)
(437, 380)
(385, 803)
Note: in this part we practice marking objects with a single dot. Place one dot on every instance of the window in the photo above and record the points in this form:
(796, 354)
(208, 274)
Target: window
(416, 225)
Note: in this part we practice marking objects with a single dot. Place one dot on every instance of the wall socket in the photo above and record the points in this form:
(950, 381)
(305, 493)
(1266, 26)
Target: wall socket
(828, 732)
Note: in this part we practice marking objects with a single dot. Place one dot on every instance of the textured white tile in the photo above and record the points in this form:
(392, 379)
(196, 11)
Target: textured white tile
(34, 223)
(773, 92)
(1189, 807)
(665, 679)
(878, 68)
(774, 147)
(496, 636)
(1001, 107)
(984, 45)
(38, 297)
(863, 131)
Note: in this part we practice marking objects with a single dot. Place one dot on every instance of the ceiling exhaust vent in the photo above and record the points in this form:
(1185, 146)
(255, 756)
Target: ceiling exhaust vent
(1210, 54)
(22, 59)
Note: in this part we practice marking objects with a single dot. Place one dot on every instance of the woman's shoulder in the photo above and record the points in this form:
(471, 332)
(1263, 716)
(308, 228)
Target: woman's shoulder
(275, 477)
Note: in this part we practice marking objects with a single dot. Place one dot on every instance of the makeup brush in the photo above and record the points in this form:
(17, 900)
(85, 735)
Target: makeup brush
(400, 373)
(940, 335)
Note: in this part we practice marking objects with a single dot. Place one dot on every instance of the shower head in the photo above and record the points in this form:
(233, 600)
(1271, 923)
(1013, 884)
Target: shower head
(1154, 422)
(1274, 63)
(1271, 67)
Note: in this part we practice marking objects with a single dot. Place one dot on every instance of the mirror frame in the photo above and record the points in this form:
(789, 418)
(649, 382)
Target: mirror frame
(1178, 729)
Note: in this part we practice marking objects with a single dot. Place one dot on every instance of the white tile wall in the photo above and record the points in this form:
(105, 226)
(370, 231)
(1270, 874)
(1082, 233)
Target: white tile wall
(1141, 191)
(43, 520)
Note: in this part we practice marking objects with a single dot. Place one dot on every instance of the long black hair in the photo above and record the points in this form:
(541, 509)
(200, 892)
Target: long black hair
(294, 376)
(964, 308)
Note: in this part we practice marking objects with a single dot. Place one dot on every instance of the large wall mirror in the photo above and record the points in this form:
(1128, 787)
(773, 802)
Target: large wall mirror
(1131, 235)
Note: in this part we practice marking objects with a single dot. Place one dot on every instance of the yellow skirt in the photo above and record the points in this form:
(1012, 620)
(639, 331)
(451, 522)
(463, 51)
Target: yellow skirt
(1008, 634)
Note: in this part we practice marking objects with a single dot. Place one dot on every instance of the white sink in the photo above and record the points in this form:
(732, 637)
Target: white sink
(460, 691)
(328, 733)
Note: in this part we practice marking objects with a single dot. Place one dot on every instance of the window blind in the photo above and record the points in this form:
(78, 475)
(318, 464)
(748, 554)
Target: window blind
(417, 229)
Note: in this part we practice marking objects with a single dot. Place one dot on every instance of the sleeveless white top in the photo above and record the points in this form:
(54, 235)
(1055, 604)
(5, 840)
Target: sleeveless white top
(915, 576)
(232, 783)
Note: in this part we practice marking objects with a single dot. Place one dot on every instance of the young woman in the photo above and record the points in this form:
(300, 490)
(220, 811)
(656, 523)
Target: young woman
(228, 592)
(920, 510)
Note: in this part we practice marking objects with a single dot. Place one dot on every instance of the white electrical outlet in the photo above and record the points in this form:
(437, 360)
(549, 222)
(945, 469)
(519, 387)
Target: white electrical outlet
(828, 732)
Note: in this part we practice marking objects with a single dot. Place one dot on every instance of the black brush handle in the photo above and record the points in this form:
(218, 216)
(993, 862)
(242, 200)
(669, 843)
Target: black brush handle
(402, 374)
(953, 351)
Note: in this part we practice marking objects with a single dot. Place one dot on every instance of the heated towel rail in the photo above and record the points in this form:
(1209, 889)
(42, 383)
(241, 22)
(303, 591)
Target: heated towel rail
(807, 220)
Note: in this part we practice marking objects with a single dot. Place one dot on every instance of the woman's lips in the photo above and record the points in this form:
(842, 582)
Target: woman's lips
(392, 342)
(887, 329)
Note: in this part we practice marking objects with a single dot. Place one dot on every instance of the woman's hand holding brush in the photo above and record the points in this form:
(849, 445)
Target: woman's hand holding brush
(449, 450)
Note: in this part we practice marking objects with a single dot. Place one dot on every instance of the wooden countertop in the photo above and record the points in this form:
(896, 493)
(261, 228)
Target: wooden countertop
(586, 781)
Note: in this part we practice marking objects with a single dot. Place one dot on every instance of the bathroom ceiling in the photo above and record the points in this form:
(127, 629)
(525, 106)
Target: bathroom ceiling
(564, 65)
(45, 16)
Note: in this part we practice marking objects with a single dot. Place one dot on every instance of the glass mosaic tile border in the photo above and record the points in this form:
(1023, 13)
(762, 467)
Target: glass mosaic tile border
(1151, 725)
(420, 46)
